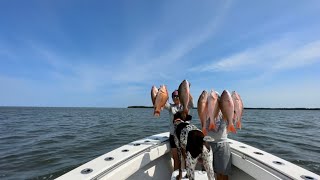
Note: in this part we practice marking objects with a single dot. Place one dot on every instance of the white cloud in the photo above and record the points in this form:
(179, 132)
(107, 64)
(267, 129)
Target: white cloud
(303, 94)
(299, 57)
(141, 66)
(273, 56)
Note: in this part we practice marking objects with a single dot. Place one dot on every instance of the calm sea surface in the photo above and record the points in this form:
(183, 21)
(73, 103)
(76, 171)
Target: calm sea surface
(44, 143)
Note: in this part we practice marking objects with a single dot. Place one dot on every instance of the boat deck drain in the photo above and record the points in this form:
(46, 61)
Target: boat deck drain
(136, 144)
(108, 158)
(307, 177)
(86, 171)
(278, 162)
(259, 153)
(125, 150)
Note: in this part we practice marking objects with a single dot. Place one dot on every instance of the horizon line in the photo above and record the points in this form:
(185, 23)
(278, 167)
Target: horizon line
(306, 108)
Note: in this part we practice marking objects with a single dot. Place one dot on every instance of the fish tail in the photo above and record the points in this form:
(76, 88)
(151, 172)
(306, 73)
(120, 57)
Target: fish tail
(184, 113)
(186, 110)
(238, 124)
(212, 124)
(231, 128)
(204, 131)
(212, 127)
(156, 113)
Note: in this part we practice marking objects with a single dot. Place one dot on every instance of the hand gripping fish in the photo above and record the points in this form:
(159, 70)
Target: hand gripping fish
(161, 99)
(227, 109)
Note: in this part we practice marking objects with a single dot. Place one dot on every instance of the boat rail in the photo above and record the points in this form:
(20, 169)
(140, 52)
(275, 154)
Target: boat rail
(125, 161)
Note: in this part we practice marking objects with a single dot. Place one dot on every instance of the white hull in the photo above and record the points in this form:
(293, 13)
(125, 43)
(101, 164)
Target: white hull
(149, 158)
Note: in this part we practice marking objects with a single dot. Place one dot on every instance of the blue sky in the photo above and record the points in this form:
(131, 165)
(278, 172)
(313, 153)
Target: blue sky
(110, 53)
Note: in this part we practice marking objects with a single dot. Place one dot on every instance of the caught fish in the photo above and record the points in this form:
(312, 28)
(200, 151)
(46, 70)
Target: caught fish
(213, 109)
(190, 105)
(203, 110)
(238, 108)
(161, 99)
(227, 109)
(184, 97)
(154, 91)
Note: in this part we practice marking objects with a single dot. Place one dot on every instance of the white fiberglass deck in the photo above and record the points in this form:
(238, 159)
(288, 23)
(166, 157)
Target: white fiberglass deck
(149, 158)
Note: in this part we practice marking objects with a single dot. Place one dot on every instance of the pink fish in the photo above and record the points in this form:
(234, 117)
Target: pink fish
(184, 97)
(203, 110)
(154, 91)
(238, 108)
(227, 109)
(161, 99)
(213, 109)
(190, 105)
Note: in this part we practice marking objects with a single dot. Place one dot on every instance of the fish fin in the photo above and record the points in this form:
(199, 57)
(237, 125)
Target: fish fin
(212, 125)
(238, 124)
(156, 113)
(231, 128)
(223, 117)
(204, 131)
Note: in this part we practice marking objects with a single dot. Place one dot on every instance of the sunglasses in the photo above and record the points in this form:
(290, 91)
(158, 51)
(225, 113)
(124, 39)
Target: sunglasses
(175, 96)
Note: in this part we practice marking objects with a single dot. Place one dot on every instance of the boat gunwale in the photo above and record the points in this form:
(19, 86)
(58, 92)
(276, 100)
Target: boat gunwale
(158, 140)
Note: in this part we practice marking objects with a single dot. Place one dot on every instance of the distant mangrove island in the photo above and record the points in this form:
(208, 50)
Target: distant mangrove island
(245, 108)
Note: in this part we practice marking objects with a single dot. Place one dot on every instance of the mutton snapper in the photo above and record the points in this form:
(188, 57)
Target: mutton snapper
(161, 99)
(203, 110)
(238, 108)
(213, 109)
(184, 97)
(227, 109)
(154, 91)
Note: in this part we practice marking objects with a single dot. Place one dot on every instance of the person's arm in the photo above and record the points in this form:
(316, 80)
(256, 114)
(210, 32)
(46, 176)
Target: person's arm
(167, 106)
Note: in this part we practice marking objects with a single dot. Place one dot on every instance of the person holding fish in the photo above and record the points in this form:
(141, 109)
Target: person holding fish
(173, 109)
(160, 101)
(217, 114)
(182, 102)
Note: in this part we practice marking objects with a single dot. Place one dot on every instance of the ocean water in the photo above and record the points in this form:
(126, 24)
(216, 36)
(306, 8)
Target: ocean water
(44, 143)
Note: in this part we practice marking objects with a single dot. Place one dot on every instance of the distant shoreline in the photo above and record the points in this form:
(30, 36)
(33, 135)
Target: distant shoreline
(149, 107)
(245, 108)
